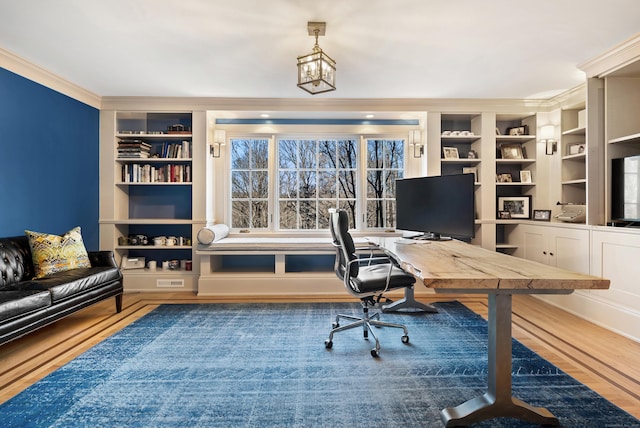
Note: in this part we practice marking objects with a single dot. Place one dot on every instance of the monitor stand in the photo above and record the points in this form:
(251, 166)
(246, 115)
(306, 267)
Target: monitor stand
(431, 237)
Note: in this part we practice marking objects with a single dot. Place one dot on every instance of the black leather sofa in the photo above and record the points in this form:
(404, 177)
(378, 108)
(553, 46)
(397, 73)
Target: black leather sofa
(27, 304)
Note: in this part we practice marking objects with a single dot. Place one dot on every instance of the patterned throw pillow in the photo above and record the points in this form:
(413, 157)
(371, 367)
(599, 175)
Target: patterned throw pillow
(53, 253)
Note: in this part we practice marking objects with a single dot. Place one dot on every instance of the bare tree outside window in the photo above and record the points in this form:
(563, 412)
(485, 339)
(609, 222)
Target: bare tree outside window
(313, 176)
(385, 164)
(249, 183)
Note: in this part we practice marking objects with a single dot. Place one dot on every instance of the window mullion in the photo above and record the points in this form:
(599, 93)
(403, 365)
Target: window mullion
(273, 217)
(361, 183)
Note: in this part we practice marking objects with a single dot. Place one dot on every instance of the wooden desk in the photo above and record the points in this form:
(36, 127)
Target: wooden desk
(457, 267)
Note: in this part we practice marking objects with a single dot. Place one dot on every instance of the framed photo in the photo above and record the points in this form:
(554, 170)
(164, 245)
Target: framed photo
(504, 178)
(471, 170)
(450, 152)
(504, 215)
(511, 151)
(518, 206)
(542, 215)
(525, 176)
(518, 130)
(472, 154)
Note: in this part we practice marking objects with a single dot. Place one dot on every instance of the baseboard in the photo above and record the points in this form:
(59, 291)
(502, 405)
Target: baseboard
(600, 311)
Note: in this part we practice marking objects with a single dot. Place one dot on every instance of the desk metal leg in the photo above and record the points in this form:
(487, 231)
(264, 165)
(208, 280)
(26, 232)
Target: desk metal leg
(409, 303)
(498, 401)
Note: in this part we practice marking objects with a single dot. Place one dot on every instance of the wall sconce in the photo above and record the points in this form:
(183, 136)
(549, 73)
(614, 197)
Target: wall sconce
(219, 140)
(415, 141)
(547, 134)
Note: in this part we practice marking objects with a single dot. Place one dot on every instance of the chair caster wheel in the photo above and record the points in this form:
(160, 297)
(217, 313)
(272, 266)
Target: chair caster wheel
(366, 334)
(375, 353)
(405, 339)
(335, 325)
(328, 344)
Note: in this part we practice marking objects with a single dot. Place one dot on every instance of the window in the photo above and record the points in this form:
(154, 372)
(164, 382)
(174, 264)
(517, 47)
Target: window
(250, 183)
(313, 176)
(385, 163)
(310, 176)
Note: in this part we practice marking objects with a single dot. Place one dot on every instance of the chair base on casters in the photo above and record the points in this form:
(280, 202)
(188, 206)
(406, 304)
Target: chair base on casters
(366, 322)
(409, 304)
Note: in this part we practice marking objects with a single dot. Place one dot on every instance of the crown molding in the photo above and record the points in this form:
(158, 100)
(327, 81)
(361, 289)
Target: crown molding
(614, 59)
(28, 70)
(572, 98)
(450, 105)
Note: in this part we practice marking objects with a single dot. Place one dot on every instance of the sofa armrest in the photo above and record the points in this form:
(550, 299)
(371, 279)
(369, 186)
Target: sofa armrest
(102, 258)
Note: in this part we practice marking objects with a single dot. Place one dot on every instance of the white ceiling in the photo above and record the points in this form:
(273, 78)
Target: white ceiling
(383, 48)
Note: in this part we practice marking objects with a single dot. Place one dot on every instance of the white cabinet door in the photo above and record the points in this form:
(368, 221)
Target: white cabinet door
(534, 243)
(569, 249)
(565, 248)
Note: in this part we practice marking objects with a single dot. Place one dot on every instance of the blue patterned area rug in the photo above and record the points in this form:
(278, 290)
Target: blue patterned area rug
(265, 365)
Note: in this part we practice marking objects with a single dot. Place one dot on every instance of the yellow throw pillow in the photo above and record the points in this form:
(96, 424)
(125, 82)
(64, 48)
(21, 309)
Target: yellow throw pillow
(53, 253)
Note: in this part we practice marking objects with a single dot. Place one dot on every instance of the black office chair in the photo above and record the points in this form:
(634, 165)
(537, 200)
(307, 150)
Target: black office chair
(367, 278)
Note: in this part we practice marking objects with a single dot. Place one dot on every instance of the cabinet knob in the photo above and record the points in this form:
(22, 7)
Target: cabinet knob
(551, 254)
(544, 252)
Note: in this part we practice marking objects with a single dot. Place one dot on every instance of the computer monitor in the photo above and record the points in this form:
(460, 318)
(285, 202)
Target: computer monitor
(439, 207)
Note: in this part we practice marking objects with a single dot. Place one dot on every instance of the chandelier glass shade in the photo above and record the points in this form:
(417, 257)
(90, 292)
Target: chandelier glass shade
(316, 70)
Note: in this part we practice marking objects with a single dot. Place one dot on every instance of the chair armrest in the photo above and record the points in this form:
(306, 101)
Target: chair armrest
(102, 258)
(369, 260)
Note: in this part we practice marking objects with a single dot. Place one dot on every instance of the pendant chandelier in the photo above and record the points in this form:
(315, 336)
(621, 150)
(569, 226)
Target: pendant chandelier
(316, 71)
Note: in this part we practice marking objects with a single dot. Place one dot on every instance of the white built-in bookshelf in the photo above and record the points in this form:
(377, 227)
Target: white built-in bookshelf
(151, 197)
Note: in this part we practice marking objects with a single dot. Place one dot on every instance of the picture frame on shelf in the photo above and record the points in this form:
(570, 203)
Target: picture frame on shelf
(518, 130)
(511, 151)
(504, 178)
(472, 154)
(518, 206)
(541, 215)
(471, 170)
(525, 176)
(504, 215)
(450, 153)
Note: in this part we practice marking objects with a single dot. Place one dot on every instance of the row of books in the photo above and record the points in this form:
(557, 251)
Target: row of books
(142, 150)
(145, 173)
(176, 150)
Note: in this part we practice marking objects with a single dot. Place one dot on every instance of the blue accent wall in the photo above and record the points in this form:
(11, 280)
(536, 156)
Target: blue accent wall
(49, 161)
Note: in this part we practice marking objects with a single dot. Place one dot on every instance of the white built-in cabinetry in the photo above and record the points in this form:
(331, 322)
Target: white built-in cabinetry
(566, 247)
(573, 152)
(612, 253)
(615, 255)
(149, 192)
(480, 140)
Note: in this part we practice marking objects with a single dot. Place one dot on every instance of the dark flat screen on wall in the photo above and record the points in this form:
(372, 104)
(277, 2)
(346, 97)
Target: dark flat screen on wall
(625, 189)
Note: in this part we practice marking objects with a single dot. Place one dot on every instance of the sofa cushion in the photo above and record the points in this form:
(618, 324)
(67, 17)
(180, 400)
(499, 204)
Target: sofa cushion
(15, 303)
(53, 253)
(66, 284)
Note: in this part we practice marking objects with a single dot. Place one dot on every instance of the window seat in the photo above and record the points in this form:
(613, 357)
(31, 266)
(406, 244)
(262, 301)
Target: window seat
(269, 266)
(269, 244)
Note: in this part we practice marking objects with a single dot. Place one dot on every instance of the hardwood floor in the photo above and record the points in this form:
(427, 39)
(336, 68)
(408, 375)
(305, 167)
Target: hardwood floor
(606, 362)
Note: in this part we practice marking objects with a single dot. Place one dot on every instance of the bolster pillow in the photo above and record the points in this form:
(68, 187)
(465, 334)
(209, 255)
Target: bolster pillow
(209, 234)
